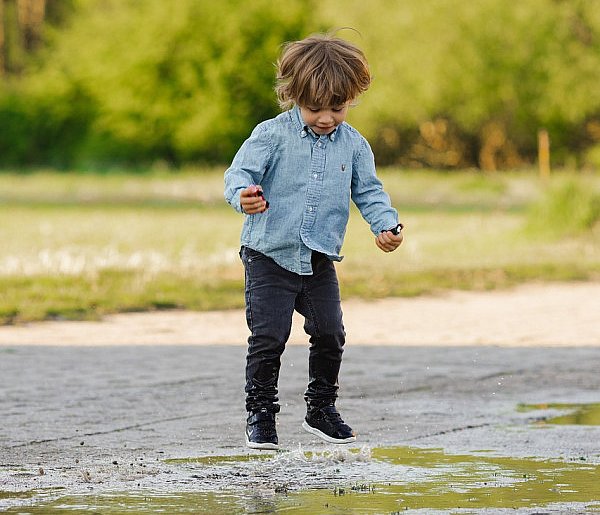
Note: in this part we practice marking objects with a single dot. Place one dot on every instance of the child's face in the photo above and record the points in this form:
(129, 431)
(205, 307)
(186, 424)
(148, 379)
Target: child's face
(323, 120)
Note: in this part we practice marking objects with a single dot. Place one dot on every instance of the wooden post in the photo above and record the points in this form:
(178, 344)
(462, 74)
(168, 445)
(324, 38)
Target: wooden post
(544, 153)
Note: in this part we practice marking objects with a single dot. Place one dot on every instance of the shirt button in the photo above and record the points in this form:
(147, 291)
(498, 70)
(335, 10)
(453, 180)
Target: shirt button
(319, 144)
(310, 208)
(302, 134)
(315, 175)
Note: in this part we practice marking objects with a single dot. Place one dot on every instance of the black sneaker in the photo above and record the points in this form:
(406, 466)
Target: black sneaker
(326, 423)
(260, 430)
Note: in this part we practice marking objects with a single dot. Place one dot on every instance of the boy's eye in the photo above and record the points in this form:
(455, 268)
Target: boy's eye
(317, 109)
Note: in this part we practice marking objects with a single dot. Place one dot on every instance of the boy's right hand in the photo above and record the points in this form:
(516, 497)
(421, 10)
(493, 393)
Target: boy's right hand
(252, 201)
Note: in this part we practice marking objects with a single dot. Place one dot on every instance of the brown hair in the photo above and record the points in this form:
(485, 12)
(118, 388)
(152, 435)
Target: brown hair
(321, 71)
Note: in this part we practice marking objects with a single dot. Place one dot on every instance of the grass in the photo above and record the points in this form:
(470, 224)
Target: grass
(78, 246)
(568, 207)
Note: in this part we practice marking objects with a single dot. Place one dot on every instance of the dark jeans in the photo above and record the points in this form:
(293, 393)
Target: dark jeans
(272, 295)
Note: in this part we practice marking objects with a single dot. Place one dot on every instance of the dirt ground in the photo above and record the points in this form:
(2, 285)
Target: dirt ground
(534, 314)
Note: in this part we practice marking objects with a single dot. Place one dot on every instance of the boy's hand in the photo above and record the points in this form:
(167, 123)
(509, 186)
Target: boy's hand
(252, 201)
(388, 241)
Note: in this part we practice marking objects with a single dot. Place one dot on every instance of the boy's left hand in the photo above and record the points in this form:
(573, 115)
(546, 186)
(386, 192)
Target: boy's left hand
(388, 241)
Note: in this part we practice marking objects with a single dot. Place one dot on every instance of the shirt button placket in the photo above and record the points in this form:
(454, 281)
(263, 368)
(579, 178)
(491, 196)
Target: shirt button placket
(313, 194)
(314, 190)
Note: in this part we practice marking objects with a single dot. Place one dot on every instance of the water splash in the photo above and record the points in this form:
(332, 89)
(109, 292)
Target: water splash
(342, 480)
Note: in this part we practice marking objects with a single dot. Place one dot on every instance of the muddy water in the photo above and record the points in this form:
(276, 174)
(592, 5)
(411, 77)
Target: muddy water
(380, 480)
(578, 414)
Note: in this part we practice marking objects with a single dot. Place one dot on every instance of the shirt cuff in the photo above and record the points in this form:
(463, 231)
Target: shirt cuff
(235, 201)
(385, 227)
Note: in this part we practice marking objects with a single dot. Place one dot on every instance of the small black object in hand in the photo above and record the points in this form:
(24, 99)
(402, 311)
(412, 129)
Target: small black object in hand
(396, 230)
(259, 193)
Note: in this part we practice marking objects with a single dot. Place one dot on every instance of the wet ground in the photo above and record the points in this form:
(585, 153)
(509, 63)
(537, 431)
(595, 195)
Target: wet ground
(454, 429)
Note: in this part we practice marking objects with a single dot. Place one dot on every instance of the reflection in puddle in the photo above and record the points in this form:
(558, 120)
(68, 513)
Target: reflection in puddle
(381, 480)
(580, 414)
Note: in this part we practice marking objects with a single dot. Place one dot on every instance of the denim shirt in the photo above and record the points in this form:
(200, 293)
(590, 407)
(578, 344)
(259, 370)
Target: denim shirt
(308, 180)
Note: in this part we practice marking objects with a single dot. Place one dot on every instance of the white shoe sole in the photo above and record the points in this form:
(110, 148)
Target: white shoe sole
(267, 446)
(325, 437)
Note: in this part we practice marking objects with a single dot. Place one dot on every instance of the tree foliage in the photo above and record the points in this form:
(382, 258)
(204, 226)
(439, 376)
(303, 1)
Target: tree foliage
(455, 83)
(22, 27)
(134, 81)
(459, 83)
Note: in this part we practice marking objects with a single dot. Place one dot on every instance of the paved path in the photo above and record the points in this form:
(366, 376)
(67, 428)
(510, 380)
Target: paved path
(105, 417)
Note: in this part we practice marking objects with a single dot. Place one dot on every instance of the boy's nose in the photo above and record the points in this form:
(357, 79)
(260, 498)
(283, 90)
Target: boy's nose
(326, 119)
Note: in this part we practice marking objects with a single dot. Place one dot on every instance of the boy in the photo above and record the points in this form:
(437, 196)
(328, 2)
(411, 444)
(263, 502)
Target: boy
(294, 178)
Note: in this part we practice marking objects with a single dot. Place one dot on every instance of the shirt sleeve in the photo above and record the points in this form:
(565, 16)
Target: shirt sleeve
(249, 165)
(367, 192)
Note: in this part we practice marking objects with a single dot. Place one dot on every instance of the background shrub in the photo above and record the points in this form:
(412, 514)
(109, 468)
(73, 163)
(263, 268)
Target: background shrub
(456, 84)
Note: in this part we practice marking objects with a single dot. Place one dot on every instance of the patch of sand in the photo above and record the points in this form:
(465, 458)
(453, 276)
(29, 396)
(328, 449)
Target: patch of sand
(534, 314)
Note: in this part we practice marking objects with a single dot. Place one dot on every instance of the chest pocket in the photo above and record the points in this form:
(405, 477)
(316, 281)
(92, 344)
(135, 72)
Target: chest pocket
(338, 178)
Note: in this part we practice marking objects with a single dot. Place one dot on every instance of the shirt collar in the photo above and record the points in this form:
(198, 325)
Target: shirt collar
(303, 129)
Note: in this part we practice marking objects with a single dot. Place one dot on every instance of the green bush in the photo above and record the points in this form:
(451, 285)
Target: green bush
(470, 83)
(567, 208)
(133, 82)
(43, 126)
(456, 84)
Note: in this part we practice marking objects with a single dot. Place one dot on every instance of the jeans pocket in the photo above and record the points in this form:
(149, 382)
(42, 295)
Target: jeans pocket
(249, 255)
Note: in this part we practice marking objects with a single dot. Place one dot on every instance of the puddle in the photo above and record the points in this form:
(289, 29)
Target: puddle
(16, 495)
(148, 502)
(579, 414)
(17, 498)
(380, 480)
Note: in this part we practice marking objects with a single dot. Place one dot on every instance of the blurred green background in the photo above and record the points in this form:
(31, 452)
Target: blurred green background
(118, 118)
(94, 83)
